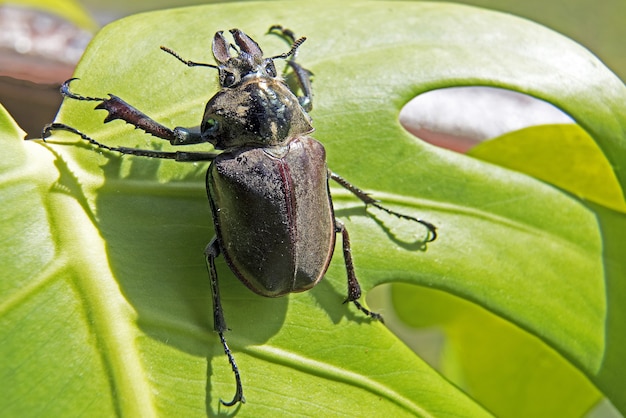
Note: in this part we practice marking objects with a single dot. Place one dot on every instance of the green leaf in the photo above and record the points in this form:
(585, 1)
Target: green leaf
(499, 364)
(562, 155)
(102, 254)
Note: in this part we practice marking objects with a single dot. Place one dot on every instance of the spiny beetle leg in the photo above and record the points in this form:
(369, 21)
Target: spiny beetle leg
(219, 322)
(368, 200)
(119, 109)
(177, 156)
(354, 288)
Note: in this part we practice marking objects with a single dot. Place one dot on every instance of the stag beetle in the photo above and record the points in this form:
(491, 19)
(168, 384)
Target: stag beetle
(268, 186)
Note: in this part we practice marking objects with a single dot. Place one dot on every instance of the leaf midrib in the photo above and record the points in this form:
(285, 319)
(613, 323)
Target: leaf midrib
(108, 315)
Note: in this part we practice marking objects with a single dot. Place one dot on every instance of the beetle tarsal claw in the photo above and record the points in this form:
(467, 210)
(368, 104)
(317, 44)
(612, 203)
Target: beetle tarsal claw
(238, 398)
(239, 391)
(373, 315)
(66, 92)
(432, 230)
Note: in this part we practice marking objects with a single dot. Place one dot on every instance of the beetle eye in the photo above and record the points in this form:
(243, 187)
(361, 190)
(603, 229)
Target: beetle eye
(210, 124)
(228, 79)
(270, 69)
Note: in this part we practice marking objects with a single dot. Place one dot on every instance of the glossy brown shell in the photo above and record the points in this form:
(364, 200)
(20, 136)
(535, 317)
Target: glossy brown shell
(273, 214)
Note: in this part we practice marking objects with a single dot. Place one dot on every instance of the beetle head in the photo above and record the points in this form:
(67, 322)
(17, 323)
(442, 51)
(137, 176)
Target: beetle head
(255, 107)
(248, 62)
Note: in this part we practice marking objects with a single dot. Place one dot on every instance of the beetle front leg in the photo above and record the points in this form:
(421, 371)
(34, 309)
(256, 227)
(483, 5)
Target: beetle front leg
(119, 109)
(302, 74)
(211, 252)
(354, 288)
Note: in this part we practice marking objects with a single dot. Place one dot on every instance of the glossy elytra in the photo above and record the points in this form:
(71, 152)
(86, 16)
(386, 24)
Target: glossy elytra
(268, 188)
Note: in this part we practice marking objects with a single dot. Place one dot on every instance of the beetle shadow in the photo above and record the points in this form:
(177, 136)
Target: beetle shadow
(402, 240)
(333, 303)
(155, 239)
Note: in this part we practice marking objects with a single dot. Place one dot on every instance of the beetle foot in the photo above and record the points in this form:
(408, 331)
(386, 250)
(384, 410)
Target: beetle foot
(239, 391)
(236, 399)
(286, 34)
(373, 315)
(65, 92)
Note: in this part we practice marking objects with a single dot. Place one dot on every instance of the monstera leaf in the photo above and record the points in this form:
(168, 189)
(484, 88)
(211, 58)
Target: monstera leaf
(106, 307)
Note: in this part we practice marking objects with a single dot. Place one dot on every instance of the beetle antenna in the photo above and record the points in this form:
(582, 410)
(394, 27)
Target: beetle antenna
(292, 51)
(187, 62)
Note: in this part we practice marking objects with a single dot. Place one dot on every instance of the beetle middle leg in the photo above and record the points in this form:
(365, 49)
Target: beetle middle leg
(354, 288)
(219, 322)
(179, 156)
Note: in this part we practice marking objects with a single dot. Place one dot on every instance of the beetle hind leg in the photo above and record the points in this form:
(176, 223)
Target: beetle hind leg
(368, 200)
(354, 288)
(219, 323)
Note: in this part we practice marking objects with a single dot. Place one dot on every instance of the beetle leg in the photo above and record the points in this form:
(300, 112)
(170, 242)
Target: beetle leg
(119, 109)
(211, 252)
(368, 200)
(302, 74)
(354, 288)
(178, 155)
(304, 81)
(283, 32)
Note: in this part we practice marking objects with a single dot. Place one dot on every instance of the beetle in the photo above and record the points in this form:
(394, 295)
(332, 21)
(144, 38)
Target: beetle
(268, 188)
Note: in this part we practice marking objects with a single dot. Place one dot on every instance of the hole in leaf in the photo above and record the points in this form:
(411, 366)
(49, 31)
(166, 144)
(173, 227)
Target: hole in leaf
(458, 118)
(519, 132)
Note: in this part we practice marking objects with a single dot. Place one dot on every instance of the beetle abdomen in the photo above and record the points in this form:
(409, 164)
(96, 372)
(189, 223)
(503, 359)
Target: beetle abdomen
(273, 215)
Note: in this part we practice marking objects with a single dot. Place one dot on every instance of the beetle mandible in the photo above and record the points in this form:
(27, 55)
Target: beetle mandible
(269, 166)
